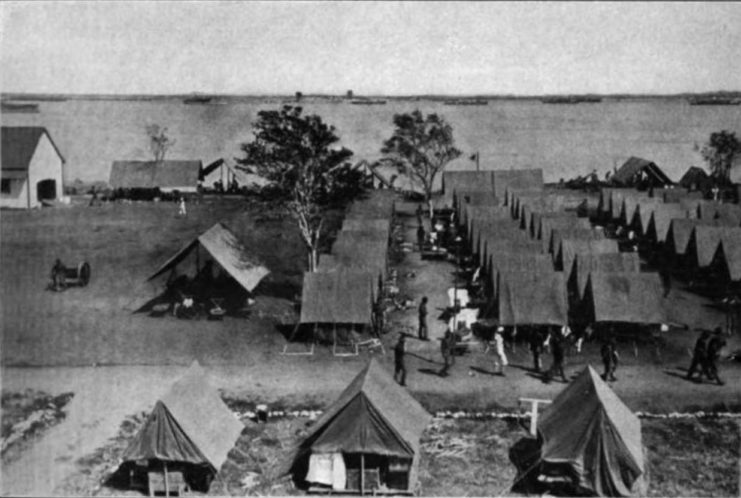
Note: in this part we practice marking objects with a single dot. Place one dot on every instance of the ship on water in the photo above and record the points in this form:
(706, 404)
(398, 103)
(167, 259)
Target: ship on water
(197, 98)
(571, 99)
(714, 101)
(466, 102)
(19, 107)
(368, 102)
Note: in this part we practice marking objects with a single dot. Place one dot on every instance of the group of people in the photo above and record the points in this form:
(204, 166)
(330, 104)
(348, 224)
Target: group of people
(706, 355)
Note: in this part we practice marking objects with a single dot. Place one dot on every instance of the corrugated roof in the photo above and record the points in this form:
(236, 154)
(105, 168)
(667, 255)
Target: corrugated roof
(19, 144)
(532, 298)
(149, 174)
(589, 429)
(228, 252)
(626, 297)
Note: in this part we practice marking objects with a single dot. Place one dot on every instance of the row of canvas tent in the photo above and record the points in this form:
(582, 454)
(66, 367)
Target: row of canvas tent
(545, 264)
(347, 283)
(696, 234)
(368, 439)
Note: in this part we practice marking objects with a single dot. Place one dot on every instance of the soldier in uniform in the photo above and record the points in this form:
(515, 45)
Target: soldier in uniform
(400, 369)
(716, 344)
(699, 355)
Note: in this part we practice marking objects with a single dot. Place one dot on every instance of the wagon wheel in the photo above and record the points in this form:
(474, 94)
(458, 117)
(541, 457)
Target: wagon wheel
(83, 273)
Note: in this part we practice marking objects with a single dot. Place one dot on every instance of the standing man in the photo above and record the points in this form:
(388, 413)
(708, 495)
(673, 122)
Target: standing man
(557, 349)
(423, 319)
(609, 359)
(421, 237)
(699, 355)
(182, 211)
(400, 370)
(499, 349)
(536, 348)
(714, 347)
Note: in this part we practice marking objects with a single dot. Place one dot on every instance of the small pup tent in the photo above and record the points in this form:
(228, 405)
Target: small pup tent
(189, 432)
(366, 440)
(589, 435)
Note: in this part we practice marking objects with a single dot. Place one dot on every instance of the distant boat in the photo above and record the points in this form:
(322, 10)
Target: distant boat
(19, 107)
(714, 101)
(466, 102)
(368, 102)
(197, 99)
(571, 100)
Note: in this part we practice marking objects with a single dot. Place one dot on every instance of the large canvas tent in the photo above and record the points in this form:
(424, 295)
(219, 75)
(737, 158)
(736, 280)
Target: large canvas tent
(224, 247)
(704, 242)
(640, 172)
(505, 179)
(630, 201)
(567, 251)
(728, 256)
(466, 182)
(614, 262)
(342, 296)
(661, 218)
(374, 428)
(507, 262)
(593, 438)
(169, 175)
(680, 230)
(553, 242)
(625, 298)
(190, 428)
(547, 223)
(644, 213)
(532, 298)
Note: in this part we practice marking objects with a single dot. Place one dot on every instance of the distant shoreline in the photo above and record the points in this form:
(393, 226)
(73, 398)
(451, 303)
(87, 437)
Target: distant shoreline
(314, 98)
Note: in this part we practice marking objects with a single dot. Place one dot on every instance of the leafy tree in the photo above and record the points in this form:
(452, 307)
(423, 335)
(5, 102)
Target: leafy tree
(420, 148)
(720, 153)
(159, 142)
(308, 170)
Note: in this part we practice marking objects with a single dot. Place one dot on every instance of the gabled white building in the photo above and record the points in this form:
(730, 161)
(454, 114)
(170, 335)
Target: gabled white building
(32, 167)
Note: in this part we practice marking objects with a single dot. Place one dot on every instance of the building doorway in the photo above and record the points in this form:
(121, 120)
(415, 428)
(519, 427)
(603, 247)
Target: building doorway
(46, 189)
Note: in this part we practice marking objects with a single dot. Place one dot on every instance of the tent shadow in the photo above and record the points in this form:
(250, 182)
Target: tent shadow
(428, 360)
(487, 372)
(430, 371)
(679, 375)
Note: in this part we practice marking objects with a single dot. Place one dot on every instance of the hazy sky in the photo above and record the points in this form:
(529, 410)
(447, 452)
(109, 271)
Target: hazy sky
(381, 48)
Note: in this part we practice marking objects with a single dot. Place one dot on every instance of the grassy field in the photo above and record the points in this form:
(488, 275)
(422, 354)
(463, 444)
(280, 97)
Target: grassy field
(125, 243)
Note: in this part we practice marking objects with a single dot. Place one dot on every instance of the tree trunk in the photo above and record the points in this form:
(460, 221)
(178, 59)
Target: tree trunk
(312, 255)
(429, 204)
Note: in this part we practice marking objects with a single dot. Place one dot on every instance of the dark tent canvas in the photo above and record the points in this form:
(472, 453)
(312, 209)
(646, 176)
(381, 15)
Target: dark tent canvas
(516, 178)
(695, 179)
(661, 218)
(227, 251)
(373, 416)
(466, 181)
(578, 233)
(625, 298)
(532, 298)
(189, 424)
(342, 296)
(614, 262)
(704, 242)
(595, 436)
(570, 248)
(630, 172)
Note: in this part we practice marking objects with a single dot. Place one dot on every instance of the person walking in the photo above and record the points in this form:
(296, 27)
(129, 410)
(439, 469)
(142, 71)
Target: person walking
(557, 349)
(609, 359)
(699, 355)
(447, 352)
(716, 344)
(182, 211)
(400, 369)
(501, 356)
(422, 333)
(421, 237)
(536, 348)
